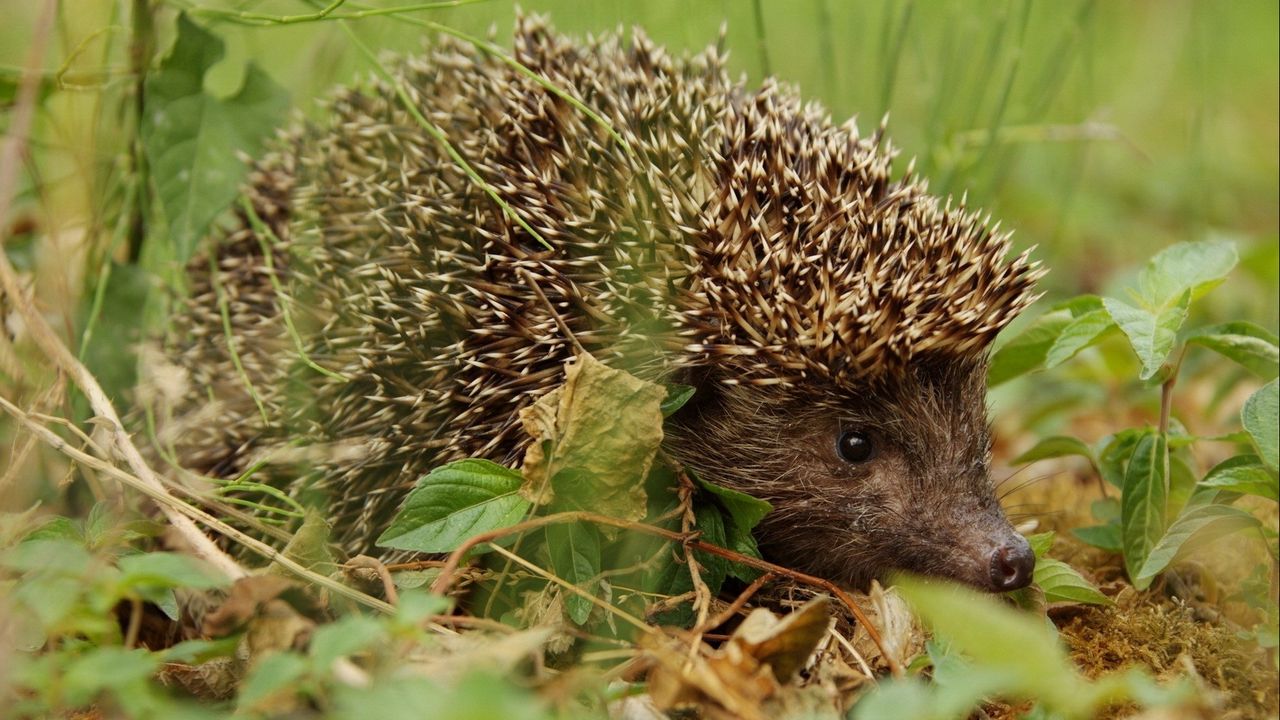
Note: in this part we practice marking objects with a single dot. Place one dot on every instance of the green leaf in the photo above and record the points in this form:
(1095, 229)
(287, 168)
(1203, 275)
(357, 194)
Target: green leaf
(348, 635)
(272, 674)
(575, 558)
(156, 570)
(192, 138)
(1026, 351)
(1244, 474)
(455, 502)
(1079, 334)
(1115, 453)
(1054, 447)
(1041, 543)
(1261, 418)
(1193, 267)
(1142, 504)
(1151, 334)
(1060, 582)
(743, 513)
(1106, 537)
(1195, 528)
(107, 668)
(712, 525)
(745, 510)
(677, 396)
(1020, 647)
(1252, 346)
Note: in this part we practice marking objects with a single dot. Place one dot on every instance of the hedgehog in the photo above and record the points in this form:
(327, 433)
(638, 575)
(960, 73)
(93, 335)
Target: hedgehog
(834, 318)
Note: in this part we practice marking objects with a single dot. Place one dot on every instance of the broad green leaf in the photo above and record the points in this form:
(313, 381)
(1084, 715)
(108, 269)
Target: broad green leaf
(1261, 417)
(677, 396)
(742, 514)
(1026, 350)
(1054, 447)
(575, 558)
(1192, 267)
(455, 502)
(1041, 543)
(1060, 582)
(1080, 305)
(1142, 504)
(169, 570)
(603, 424)
(1106, 510)
(997, 637)
(1252, 346)
(192, 139)
(1244, 474)
(1114, 452)
(1079, 334)
(1150, 333)
(745, 510)
(1105, 537)
(1195, 528)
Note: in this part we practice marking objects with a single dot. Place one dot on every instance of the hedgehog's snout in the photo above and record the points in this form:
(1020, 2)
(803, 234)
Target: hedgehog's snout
(1012, 564)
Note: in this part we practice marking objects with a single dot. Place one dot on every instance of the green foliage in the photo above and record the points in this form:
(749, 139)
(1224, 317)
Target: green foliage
(454, 502)
(192, 137)
(999, 652)
(1166, 509)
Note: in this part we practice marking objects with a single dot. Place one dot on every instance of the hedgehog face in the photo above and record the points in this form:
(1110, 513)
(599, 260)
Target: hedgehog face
(865, 481)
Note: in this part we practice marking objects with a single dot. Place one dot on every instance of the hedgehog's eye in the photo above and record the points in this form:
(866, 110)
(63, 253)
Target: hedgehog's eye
(854, 447)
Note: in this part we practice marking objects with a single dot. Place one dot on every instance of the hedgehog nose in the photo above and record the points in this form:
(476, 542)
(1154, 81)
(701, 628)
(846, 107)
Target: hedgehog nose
(1012, 565)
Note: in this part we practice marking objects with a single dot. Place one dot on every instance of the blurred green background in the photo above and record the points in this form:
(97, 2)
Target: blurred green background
(1100, 131)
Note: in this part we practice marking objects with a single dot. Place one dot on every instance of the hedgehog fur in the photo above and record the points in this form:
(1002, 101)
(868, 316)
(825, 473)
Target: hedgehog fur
(740, 238)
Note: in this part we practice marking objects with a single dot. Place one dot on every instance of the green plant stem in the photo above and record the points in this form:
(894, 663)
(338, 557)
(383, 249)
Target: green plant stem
(141, 48)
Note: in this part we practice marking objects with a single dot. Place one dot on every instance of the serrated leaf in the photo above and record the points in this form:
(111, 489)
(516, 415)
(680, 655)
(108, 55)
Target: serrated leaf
(1192, 267)
(605, 426)
(1244, 474)
(1105, 537)
(1252, 346)
(455, 502)
(1151, 333)
(192, 138)
(575, 558)
(1080, 305)
(1142, 504)
(1079, 334)
(1060, 582)
(1054, 447)
(1195, 528)
(1261, 418)
(1026, 351)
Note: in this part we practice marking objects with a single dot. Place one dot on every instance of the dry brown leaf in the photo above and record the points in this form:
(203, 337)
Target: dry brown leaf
(748, 670)
(606, 425)
(243, 602)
